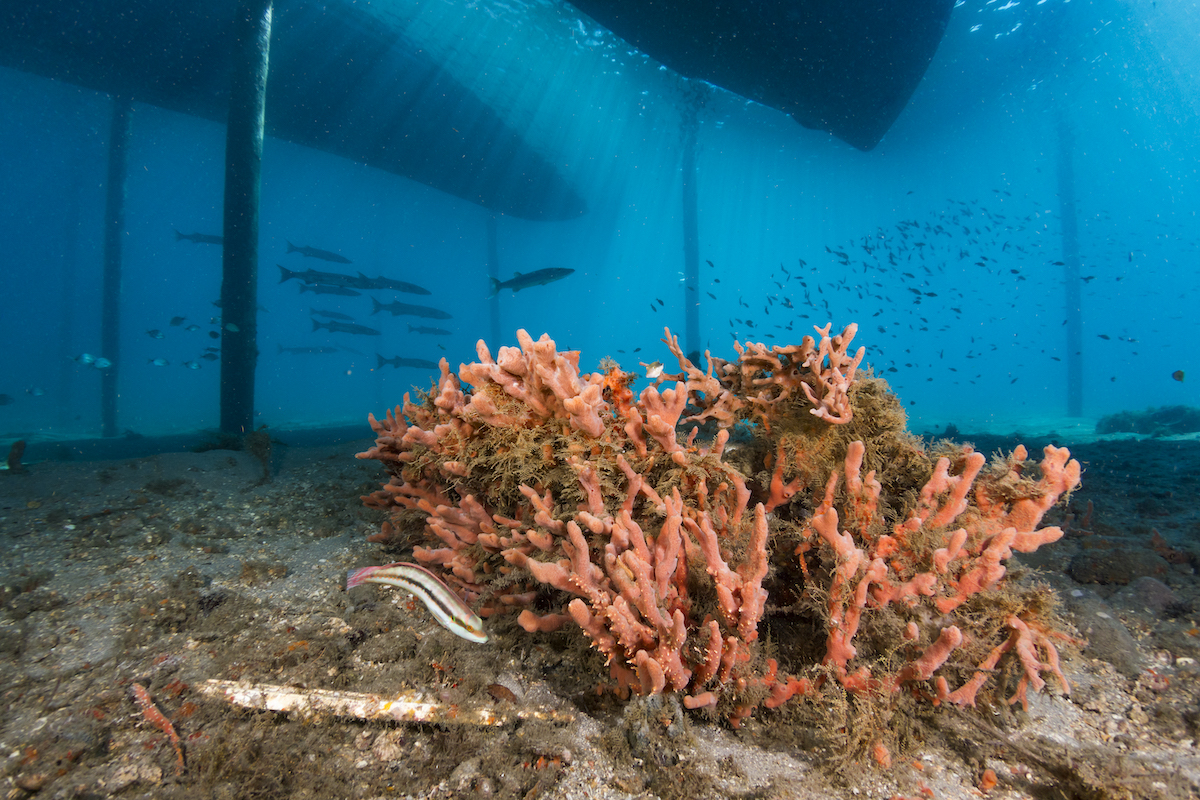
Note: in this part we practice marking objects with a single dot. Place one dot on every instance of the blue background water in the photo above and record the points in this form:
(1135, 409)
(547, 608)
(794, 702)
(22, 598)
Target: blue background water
(974, 153)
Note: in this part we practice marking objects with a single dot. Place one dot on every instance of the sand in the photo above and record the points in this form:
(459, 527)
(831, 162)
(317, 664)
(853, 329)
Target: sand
(173, 570)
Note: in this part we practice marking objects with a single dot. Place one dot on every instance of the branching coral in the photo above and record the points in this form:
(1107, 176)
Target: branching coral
(564, 498)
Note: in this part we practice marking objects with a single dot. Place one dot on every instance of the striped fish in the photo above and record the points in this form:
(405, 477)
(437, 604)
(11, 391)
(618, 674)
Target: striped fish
(446, 607)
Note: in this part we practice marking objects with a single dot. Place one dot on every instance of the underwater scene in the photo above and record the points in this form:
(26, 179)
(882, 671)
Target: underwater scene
(600, 399)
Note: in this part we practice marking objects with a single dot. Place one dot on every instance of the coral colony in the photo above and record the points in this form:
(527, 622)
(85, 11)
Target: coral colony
(667, 528)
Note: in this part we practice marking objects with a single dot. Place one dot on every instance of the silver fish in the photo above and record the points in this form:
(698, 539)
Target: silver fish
(538, 277)
(199, 238)
(314, 252)
(397, 309)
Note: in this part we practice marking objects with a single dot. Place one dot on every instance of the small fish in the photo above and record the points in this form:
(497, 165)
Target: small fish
(193, 327)
(519, 281)
(398, 362)
(214, 335)
(192, 364)
(210, 356)
(155, 334)
(428, 330)
(653, 371)
(158, 362)
(229, 326)
(37, 391)
(102, 363)
(501, 692)
(85, 358)
(1178, 375)
(447, 607)
(177, 321)
(314, 252)
(199, 238)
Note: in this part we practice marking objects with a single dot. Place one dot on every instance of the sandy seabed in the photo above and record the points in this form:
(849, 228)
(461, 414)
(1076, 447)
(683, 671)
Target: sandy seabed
(173, 570)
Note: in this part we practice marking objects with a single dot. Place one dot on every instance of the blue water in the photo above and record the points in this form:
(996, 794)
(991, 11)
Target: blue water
(951, 227)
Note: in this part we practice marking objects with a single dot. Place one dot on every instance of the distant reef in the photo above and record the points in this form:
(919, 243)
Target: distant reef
(1165, 421)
